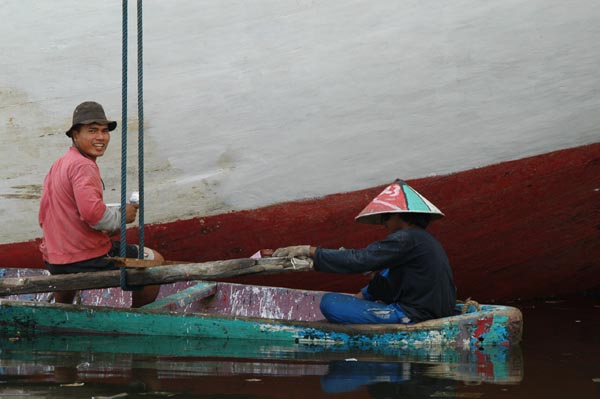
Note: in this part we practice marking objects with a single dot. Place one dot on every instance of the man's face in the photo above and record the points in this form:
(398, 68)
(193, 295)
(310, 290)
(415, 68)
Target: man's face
(92, 139)
(393, 222)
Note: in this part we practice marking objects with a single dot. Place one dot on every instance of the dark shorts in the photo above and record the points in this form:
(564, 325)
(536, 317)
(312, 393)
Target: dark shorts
(98, 264)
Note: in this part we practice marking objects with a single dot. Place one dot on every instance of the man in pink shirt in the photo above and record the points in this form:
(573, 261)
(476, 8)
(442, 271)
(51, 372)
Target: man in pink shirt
(75, 221)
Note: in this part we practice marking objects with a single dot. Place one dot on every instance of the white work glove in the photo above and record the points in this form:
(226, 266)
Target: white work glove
(292, 252)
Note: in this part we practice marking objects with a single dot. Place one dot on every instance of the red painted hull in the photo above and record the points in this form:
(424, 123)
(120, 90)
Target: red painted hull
(520, 229)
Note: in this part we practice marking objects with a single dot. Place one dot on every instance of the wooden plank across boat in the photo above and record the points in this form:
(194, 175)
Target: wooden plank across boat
(208, 309)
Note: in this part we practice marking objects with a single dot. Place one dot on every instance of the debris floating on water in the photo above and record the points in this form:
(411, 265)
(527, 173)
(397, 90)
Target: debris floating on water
(119, 395)
(75, 384)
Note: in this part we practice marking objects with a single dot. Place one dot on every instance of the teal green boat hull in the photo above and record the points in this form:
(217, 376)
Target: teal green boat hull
(237, 312)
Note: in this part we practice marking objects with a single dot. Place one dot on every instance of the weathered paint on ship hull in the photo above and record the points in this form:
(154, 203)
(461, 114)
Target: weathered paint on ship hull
(519, 229)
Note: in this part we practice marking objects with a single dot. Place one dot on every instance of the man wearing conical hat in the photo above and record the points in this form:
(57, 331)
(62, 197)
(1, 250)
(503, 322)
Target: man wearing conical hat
(411, 275)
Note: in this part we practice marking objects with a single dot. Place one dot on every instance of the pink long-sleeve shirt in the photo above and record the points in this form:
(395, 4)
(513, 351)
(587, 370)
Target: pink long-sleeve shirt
(71, 203)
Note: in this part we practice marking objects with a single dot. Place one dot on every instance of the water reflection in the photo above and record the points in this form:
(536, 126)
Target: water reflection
(424, 373)
(105, 366)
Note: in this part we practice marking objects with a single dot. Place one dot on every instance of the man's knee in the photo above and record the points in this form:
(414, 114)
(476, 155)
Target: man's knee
(158, 256)
(330, 305)
(152, 254)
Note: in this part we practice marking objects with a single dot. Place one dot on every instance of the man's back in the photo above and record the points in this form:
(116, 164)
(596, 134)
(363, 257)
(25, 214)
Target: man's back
(421, 278)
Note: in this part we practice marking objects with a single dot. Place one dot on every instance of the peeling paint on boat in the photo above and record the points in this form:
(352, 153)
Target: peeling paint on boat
(492, 326)
(278, 314)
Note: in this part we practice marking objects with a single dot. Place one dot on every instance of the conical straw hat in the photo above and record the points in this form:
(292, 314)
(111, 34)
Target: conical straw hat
(398, 197)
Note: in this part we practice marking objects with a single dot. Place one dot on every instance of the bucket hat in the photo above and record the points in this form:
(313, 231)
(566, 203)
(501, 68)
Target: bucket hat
(90, 112)
(398, 197)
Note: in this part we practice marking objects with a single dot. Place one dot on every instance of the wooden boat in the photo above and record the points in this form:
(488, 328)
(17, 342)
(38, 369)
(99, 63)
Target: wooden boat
(208, 309)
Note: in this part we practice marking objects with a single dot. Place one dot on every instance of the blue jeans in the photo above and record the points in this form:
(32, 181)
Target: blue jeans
(348, 309)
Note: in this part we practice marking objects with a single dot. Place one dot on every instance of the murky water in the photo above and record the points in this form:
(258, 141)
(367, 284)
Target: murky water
(558, 358)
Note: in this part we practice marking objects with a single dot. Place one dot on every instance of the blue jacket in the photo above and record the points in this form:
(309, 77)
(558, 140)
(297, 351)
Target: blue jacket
(414, 272)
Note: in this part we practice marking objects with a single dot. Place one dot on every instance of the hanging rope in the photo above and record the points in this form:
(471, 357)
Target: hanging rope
(124, 132)
(123, 246)
(141, 126)
(140, 70)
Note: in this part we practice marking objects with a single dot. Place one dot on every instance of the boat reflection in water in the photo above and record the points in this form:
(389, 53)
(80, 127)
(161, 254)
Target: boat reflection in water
(109, 366)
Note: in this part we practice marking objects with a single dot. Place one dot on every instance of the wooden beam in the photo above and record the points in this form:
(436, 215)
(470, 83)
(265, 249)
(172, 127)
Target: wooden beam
(133, 262)
(182, 298)
(152, 275)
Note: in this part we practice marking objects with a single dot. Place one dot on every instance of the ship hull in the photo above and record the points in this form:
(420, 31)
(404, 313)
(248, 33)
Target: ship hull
(519, 229)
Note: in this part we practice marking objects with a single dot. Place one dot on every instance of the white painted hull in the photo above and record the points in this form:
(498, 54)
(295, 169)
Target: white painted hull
(249, 104)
